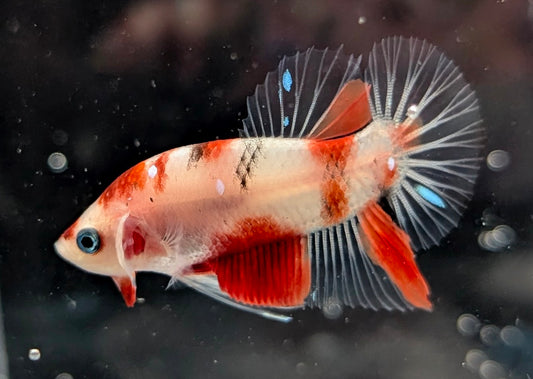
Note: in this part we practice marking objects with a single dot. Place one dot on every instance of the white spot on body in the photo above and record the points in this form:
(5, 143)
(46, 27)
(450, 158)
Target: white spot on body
(220, 187)
(152, 171)
(391, 163)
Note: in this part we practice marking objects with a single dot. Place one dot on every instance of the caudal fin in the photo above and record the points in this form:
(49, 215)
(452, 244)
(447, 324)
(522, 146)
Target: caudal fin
(440, 136)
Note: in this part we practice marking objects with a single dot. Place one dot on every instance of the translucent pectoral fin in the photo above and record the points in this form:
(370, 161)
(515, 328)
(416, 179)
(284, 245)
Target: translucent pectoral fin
(127, 288)
(208, 285)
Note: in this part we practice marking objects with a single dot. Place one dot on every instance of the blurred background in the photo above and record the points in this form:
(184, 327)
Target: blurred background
(110, 83)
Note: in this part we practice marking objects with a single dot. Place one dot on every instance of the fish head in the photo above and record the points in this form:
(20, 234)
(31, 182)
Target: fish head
(93, 243)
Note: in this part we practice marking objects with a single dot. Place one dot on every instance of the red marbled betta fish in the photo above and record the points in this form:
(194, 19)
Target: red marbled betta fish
(289, 215)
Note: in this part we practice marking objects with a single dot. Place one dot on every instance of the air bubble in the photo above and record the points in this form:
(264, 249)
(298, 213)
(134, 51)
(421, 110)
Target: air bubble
(498, 160)
(489, 335)
(474, 358)
(64, 375)
(491, 370)
(512, 336)
(332, 310)
(57, 162)
(468, 324)
(497, 239)
(361, 20)
(34, 354)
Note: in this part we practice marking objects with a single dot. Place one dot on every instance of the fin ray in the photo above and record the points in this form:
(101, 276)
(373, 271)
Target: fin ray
(411, 79)
(295, 96)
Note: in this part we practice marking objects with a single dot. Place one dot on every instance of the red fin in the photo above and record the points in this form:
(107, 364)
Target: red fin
(388, 247)
(276, 274)
(348, 112)
(127, 288)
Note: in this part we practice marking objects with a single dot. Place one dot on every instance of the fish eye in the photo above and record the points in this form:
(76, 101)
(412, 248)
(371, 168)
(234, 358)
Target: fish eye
(88, 240)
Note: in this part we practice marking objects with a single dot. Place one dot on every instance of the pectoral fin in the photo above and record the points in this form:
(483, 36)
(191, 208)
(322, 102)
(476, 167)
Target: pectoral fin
(127, 288)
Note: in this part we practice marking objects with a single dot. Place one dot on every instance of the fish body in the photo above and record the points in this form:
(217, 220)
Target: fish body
(288, 215)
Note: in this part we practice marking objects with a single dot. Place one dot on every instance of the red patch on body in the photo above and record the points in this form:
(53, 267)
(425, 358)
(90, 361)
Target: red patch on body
(213, 149)
(332, 156)
(161, 176)
(69, 233)
(388, 246)
(123, 187)
(261, 264)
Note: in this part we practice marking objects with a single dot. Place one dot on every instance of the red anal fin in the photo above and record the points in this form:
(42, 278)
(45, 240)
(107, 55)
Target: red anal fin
(276, 274)
(348, 112)
(388, 247)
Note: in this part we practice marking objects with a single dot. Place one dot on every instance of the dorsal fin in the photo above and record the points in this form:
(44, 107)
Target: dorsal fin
(294, 97)
(273, 275)
(349, 111)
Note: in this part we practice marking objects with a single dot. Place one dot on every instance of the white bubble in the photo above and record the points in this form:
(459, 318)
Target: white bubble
(489, 335)
(512, 336)
(468, 324)
(64, 375)
(498, 160)
(491, 370)
(474, 358)
(504, 235)
(497, 239)
(332, 310)
(34, 354)
(57, 162)
(361, 20)
(233, 56)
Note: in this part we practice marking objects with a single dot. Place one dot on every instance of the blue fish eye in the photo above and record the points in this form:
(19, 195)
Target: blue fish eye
(88, 240)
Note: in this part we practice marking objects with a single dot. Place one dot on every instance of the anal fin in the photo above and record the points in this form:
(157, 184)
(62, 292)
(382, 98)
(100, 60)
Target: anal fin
(388, 246)
(277, 274)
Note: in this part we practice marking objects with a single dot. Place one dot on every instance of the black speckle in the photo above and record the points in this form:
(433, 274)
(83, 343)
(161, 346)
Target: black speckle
(197, 152)
(152, 200)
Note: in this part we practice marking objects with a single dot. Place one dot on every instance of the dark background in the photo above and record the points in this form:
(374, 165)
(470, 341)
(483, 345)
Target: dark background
(112, 83)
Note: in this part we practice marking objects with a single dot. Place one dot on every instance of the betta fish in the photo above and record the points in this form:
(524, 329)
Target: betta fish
(338, 177)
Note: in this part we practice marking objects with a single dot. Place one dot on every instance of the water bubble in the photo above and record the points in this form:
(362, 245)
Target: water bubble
(59, 137)
(468, 324)
(153, 84)
(498, 160)
(512, 336)
(57, 162)
(301, 368)
(504, 235)
(332, 310)
(361, 20)
(233, 56)
(497, 239)
(34, 354)
(13, 25)
(491, 370)
(474, 358)
(64, 375)
(489, 335)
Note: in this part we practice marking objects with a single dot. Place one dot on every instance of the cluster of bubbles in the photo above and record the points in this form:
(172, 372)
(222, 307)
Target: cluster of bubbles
(502, 352)
(497, 236)
(500, 238)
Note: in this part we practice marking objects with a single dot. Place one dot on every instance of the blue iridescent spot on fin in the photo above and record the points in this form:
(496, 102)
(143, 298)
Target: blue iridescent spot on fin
(430, 196)
(285, 121)
(287, 81)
